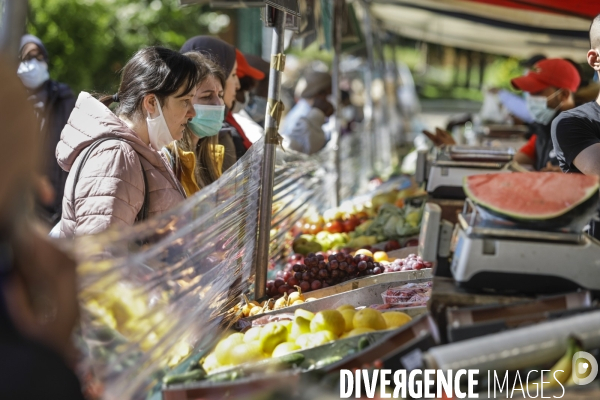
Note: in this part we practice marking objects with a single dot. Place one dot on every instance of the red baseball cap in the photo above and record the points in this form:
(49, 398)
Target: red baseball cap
(244, 69)
(554, 72)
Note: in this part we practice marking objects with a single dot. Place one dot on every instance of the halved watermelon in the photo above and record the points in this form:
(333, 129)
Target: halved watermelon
(534, 196)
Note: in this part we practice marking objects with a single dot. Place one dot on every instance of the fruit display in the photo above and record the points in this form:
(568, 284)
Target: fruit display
(408, 295)
(391, 222)
(304, 331)
(322, 241)
(535, 198)
(252, 308)
(412, 262)
(314, 271)
(396, 197)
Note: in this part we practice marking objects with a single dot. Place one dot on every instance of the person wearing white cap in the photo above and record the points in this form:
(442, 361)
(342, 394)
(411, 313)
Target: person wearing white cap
(302, 130)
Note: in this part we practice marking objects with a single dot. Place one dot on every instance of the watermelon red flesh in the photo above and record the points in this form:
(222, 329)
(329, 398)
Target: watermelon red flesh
(531, 195)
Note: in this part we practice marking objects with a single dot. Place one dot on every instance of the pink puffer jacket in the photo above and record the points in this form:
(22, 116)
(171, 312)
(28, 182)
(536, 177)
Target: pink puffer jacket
(110, 189)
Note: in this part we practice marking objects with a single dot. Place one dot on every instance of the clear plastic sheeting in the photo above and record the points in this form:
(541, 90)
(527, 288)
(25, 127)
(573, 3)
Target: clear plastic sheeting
(157, 292)
(154, 292)
(303, 185)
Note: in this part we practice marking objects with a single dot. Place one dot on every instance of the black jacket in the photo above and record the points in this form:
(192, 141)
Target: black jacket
(53, 105)
(544, 149)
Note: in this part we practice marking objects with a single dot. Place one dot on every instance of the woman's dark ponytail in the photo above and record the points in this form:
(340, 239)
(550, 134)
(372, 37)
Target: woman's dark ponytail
(107, 100)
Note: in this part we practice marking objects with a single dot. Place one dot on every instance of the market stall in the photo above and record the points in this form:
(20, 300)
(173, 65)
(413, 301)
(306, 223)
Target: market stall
(269, 280)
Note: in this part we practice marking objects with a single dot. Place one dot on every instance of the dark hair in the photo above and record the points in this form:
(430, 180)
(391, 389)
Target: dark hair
(206, 67)
(247, 83)
(153, 70)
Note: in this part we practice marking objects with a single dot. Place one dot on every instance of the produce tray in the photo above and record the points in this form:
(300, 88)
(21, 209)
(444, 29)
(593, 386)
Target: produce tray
(403, 276)
(240, 388)
(257, 375)
(365, 296)
(392, 343)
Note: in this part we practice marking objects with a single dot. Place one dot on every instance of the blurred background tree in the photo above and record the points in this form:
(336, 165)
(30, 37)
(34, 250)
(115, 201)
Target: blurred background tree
(89, 41)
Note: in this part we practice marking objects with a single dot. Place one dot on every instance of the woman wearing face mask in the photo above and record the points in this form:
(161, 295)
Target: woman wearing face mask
(117, 175)
(232, 137)
(197, 158)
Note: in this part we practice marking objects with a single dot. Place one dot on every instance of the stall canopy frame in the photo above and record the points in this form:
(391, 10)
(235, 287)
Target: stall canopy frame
(507, 27)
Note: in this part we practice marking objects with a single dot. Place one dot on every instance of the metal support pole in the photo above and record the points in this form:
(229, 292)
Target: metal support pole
(388, 144)
(371, 142)
(13, 27)
(337, 8)
(270, 145)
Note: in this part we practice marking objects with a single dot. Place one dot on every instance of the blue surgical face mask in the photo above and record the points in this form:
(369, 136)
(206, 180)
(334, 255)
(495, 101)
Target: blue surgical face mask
(208, 120)
(538, 108)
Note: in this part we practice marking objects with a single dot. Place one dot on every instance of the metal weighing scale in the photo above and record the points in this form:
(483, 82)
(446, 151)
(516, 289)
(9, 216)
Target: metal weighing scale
(493, 254)
(453, 163)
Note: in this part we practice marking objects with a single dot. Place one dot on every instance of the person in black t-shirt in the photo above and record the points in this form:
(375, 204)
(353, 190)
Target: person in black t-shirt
(576, 133)
(549, 88)
(576, 138)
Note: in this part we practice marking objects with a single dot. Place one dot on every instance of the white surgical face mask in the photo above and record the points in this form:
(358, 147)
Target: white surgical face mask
(538, 108)
(158, 131)
(208, 120)
(237, 107)
(33, 73)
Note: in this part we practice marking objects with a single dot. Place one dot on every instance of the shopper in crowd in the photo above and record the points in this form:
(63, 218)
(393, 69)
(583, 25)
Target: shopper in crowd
(302, 129)
(38, 291)
(52, 103)
(257, 104)
(197, 158)
(117, 175)
(250, 76)
(240, 139)
(225, 56)
(549, 86)
(576, 133)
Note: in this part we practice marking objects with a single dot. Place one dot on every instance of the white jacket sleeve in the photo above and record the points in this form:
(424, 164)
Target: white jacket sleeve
(307, 136)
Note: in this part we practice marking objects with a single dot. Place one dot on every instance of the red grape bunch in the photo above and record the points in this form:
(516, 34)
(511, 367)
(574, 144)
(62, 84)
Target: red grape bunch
(315, 271)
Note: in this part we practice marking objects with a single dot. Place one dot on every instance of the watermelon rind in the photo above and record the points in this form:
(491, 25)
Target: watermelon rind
(586, 204)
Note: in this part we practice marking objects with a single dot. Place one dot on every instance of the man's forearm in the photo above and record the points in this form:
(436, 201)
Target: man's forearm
(588, 160)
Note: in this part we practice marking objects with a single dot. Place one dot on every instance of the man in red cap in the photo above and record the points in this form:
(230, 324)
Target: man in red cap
(237, 142)
(254, 71)
(549, 88)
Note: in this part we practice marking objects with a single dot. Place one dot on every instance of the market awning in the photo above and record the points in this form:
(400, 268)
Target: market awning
(491, 28)
(578, 8)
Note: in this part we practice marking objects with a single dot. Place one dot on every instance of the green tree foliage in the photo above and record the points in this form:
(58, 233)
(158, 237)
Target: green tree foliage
(89, 41)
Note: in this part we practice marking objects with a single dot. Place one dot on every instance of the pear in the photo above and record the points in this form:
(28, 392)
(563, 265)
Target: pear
(328, 320)
(271, 335)
(300, 326)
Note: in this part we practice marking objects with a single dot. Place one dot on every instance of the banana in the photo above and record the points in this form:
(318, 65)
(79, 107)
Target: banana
(570, 381)
(561, 371)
